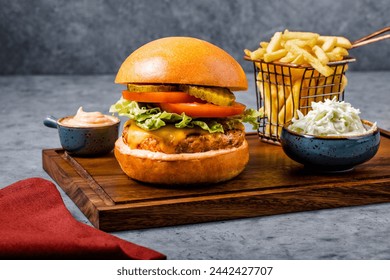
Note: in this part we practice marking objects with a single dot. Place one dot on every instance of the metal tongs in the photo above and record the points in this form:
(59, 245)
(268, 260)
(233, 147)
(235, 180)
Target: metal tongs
(371, 38)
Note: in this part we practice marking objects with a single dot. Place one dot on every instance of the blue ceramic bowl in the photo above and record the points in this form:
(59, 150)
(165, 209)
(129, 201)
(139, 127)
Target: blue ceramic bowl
(85, 141)
(330, 153)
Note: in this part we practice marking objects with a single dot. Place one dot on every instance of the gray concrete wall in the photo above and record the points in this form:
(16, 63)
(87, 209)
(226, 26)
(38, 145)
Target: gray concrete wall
(95, 36)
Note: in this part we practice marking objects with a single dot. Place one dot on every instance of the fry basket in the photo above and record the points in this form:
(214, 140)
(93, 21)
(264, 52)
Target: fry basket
(284, 88)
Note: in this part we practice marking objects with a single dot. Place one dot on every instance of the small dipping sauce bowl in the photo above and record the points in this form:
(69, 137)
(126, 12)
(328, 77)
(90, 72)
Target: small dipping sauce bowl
(83, 139)
(331, 153)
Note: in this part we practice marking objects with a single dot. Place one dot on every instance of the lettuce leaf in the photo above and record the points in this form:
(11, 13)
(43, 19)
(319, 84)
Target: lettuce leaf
(250, 116)
(152, 118)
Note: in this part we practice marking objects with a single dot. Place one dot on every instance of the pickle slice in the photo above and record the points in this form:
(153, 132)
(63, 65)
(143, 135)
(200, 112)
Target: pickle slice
(216, 95)
(151, 88)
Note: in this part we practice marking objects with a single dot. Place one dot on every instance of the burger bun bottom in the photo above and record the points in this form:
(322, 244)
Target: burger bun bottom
(181, 169)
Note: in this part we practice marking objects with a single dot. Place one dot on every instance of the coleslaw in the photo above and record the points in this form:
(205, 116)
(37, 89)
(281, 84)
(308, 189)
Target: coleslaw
(330, 118)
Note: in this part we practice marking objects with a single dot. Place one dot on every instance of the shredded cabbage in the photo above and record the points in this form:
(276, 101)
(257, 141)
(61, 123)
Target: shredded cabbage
(330, 118)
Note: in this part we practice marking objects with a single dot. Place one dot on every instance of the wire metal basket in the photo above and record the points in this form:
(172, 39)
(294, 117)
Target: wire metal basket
(284, 88)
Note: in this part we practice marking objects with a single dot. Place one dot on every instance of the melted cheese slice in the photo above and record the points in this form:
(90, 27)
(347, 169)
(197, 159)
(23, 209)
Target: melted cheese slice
(168, 137)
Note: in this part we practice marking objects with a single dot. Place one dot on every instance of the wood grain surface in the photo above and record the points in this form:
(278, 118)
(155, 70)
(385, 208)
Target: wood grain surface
(271, 184)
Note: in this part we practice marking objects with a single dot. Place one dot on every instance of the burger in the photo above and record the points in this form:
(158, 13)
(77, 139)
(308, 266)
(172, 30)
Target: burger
(184, 125)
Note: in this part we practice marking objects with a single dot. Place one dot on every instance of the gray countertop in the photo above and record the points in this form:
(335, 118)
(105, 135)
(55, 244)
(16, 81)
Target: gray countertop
(343, 233)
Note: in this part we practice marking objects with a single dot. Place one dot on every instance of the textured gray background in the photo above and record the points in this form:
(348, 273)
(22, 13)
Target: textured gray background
(95, 36)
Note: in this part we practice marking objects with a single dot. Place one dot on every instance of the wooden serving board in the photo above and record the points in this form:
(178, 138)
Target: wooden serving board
(270, 184)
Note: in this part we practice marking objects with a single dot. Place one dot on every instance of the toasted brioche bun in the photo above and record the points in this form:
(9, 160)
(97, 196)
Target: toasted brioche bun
(182, 60)
(192, 168)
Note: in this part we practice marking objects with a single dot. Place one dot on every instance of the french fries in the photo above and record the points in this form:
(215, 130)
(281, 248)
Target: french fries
(274, 44)
(286, 88)
(269, 57)
(340, 41)
(303, 48)
(288, 35)
(328, 44)
(321, 55)
(311, 59)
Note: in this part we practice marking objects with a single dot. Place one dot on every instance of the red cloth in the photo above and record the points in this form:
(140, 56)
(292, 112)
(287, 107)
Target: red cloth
(35, 224)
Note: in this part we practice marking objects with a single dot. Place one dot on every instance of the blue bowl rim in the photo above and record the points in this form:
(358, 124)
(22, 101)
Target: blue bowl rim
(334, 137)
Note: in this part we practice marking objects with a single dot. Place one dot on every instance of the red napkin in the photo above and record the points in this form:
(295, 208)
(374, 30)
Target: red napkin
(35, 224)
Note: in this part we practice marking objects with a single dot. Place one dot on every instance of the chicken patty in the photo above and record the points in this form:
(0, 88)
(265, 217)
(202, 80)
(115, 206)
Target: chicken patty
(192, 143)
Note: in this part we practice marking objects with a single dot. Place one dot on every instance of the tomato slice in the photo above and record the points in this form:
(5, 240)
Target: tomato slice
(204, 110)
(160, 97)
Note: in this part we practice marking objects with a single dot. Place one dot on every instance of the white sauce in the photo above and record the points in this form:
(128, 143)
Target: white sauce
(88, 119)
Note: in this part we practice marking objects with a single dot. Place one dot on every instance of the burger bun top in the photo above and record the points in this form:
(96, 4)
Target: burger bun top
(182, 60)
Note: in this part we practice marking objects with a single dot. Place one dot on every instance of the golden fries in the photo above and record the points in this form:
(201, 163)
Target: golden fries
(322, 57)
(264, 44)
(274, 44)
(303, 48)
(289, 57)
(269, 57)
(286, 82)
(340, 41)
(299, 59)
(257, 54)
(328, 44)
(312, 60)
(288, 35)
